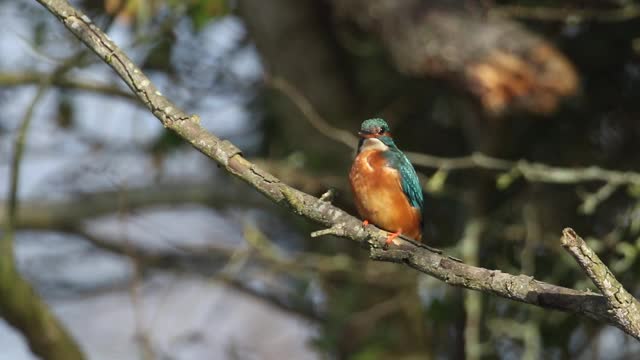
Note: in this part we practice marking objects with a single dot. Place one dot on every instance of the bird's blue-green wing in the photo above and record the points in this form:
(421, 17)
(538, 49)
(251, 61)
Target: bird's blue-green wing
(408, 177)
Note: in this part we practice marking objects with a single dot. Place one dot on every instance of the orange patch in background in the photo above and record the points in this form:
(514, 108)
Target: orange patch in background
(536, 81)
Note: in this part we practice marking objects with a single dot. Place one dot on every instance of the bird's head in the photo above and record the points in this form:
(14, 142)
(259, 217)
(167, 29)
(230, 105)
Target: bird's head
(374, 128)
(374, 134)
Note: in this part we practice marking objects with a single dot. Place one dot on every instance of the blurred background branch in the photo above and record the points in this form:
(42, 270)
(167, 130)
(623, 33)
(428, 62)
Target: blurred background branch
(18, 79)
(20, 305)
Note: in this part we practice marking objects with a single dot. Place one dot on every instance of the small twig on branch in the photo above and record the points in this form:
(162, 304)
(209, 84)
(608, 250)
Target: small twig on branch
(520, 288)
(623, 307)
(328, 195)
(337, 230)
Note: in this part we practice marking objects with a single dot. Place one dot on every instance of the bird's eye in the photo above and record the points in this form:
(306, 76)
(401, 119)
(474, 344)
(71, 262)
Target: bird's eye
(381, 131)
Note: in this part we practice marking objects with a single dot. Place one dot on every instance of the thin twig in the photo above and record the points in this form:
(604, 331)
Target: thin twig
(19, 145)
(315, 119)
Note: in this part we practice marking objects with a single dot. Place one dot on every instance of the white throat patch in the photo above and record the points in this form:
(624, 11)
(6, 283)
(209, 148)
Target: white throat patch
(373, 144)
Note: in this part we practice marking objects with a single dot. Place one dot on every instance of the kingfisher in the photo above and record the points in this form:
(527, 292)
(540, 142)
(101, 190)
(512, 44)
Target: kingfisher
(385, 185)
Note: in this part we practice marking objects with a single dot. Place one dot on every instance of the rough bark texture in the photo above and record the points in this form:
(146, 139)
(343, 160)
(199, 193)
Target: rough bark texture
(502, 64)
(622, 305)
(519, 288)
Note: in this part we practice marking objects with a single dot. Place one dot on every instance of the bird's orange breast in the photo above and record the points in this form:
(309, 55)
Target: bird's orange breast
(379, 197)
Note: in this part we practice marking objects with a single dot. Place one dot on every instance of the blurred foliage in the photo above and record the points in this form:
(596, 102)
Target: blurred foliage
(203, 11)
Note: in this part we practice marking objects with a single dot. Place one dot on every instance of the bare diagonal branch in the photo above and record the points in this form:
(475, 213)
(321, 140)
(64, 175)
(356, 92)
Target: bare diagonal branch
(519, 288)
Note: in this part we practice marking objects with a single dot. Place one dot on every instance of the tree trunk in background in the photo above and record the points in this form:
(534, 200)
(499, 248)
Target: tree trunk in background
(294, 38)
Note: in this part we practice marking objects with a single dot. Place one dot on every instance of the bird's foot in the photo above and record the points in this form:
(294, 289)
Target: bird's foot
(365, 223)
(390, 239)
